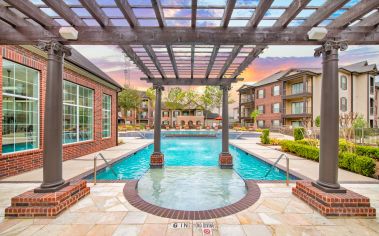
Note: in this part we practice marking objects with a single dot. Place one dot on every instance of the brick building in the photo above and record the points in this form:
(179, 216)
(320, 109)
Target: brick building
(293, 97)
(89, 113)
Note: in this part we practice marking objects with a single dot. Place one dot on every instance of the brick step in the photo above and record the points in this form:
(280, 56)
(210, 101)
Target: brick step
(31, 209)
(30, 198)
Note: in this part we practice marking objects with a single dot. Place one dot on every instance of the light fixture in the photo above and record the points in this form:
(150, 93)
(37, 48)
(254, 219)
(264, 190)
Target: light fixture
(317, 33)
(69, 33)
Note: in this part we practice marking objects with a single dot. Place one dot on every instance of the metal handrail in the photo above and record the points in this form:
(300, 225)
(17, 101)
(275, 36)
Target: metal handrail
(287, 169)
(95, 166)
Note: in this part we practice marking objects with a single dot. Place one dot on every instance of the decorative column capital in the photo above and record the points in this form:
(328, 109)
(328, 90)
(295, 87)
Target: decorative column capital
(226, 87)
(54, 47)
(329, 45)
(158, 87)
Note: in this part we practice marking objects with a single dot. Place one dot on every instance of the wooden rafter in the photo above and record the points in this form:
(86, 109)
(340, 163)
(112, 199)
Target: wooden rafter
(250, 58)
(192, 59)
(128, 13)
(158, 12)
(261, 10)
(172, 59)
(65, 12)
(11, 18)
(30, 10)
(228, 13)
(212, 60)
(189, 81)
(324, 12)
(94, 9)
(354, 13)
(290, 13)
(149, 50)
(232, 56)
(193, 13)
(134, 57)
(371, 20)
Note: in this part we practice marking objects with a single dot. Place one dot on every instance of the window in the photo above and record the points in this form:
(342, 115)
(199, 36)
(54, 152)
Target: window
(296, 124)
(107, 108)
(276, 90)
(261, 123)
(276, 108)
(343, 104)
(20, 127)
(261, 109)
(297, 107)
(165, 114)
(199, 113)
(275, 123)
(297, 88)
(128, 113)
(176, 113)
(77, 113)
(343, 84)
(261, 93)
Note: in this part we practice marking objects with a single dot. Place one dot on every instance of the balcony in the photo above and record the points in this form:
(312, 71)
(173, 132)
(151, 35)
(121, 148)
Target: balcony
(372, 90)
(306, 112)
(372, 111)
(246, 99)
(291, 94)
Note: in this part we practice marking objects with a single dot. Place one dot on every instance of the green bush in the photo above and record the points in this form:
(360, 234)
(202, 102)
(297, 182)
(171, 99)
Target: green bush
(311, 142)
(302, 150)
(367, 151)
(298, 133)
(265, 136)
(275, 141)
(358, 164)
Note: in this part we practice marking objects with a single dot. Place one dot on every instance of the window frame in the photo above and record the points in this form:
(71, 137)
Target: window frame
(343, 86)
(110, 116)
(38, 98)
(273, 108)
(273, 90)
(343, 107)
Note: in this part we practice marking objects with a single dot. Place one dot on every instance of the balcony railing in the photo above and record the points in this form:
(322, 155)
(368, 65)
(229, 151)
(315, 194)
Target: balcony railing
(372, 111)
(297, 112)
(297, 93)
(245, 100)
(372, 89)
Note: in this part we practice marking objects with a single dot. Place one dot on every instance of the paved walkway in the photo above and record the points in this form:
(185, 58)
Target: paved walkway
(301, 165)
(74, 167)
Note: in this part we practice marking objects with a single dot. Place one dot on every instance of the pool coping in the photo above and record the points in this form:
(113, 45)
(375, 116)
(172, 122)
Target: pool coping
(131, 194)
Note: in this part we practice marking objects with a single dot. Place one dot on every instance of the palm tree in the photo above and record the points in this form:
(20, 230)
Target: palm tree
(254, 115)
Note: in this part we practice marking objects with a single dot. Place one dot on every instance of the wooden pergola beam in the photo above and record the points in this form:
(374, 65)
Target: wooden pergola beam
(11, 18)
(324, 12)
(290, 13)
(230, 59)
(192, 59)
(369, 21)
(212, 60)
(150, 51)
(250, 58)
(172, 59)
(193, 13)
(228, 13)
(259, 12)
(134, 57)
(355, 12)
(30, 10)
(128, 13)
(65, 12)
(189, 81)
(158, 12)
(94, 9)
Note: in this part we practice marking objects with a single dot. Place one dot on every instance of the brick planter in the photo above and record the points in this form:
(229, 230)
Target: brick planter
(156, 160)
(334, 204)
(49, 205)
(225, 160)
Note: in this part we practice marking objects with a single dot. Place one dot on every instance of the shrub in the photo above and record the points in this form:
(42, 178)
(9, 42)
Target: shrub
(302, 150)
(318, 121)
(310, 142)
(359, 164)
(275, 141)
(345, 146)
(259, 130)
(367, 151)
(298, 133)
(265, 136)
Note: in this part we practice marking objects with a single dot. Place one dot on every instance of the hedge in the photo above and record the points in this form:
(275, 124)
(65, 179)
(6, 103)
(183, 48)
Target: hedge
(265, 136)
(359, 164)
(311, 142)
(367, 151)
(298, 133)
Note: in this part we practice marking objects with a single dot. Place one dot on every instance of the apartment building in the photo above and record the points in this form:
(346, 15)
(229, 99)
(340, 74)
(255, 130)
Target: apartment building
(142, 115)
(299, 98)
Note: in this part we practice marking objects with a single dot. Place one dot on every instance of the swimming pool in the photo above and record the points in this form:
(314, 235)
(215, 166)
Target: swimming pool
(191, 152)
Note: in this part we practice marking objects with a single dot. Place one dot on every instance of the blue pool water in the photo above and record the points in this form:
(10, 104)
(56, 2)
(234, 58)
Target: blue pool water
(187, 152)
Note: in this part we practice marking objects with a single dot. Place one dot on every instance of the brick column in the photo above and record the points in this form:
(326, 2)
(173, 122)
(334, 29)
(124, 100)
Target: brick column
(157, 158)
(52, 150)
(225, 158)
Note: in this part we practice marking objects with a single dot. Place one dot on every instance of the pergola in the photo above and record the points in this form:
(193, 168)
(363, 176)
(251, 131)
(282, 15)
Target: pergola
(190, 42)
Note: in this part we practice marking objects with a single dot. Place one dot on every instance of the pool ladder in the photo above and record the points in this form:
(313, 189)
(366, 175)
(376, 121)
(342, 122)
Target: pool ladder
(95, 167)
(287, 169)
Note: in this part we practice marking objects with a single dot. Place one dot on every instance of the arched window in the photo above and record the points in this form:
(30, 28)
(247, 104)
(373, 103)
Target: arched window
(343, 104)
(343, 83)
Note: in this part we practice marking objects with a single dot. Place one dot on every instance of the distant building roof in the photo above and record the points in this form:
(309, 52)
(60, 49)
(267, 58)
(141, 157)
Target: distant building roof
(377, 84)
(210, 115)
(81, 61)
(272, 78)
(360, 67)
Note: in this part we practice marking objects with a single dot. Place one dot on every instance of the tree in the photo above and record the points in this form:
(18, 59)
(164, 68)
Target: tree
(129, 99)
(191, 99)
(318, 121)
(253, 115)
(359, 124)
(175, 99)
(150, 93)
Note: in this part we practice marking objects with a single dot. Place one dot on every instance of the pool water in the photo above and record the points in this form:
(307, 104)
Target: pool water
(189, 188)
(194, 153)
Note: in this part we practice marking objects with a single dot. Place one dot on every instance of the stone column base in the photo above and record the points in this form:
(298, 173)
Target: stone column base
(46, 205)
(156, 160)
(334, 204)
(225, 160)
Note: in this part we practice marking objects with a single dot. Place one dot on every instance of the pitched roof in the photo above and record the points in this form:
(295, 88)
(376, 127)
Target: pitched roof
(81, 61)
(360, 67)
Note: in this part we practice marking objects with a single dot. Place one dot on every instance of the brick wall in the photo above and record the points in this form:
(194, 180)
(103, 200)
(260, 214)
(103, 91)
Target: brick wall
(16, 163)
(267, 102)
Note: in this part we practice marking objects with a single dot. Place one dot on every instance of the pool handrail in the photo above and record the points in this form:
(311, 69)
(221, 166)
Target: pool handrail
(95, 166)
(287, 168)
